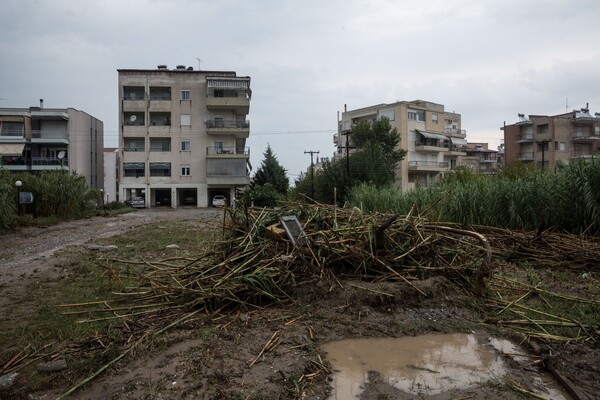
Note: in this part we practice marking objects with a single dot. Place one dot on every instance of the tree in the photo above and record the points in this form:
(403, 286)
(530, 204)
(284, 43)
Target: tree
(272, 172)
(270, 182)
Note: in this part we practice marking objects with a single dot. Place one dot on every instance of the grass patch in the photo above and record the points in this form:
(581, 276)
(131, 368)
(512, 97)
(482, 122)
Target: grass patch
(39, 323)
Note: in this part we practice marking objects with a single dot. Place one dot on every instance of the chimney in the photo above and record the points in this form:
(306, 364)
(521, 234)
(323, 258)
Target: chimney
(41, 103)
(345, 108)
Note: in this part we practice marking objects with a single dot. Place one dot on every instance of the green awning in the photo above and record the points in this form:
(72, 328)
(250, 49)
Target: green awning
(431, 135)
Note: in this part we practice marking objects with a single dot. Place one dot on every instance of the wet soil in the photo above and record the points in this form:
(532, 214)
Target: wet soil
(273, 352)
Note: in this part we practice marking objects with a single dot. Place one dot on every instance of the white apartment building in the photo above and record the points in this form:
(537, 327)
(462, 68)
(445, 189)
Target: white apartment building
(433, 138)
(182, 135)
(39, 139)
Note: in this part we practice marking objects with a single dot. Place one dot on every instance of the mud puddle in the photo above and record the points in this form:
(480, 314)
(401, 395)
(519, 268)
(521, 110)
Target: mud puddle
(428, 364)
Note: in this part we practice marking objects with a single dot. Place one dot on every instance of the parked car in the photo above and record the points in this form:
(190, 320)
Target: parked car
(136, 202)
(219, 201)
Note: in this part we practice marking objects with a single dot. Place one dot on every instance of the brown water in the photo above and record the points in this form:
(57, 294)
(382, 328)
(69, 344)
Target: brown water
(428, 364)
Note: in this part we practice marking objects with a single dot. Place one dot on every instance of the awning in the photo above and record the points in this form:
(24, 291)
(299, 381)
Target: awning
(232, 84)
(458, 141)
(431, 135)
(6, 118)
(160, 165)
(133, 165)
(13, 149)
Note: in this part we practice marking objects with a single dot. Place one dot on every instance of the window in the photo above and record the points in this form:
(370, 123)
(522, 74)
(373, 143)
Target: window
(185, 120)
(185, 95)
(160, 144)
(133, 169)
(434, 118)
(543, 128)
(185, 145)
(561, 146)
(160, 169)
(185, 170)
(414, 115)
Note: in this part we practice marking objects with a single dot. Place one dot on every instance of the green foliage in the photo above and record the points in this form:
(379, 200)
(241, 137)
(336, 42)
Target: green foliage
(272, 172)
(374, 162)
(270, 183)
(263, 196)
(517, 198)
(57, 194)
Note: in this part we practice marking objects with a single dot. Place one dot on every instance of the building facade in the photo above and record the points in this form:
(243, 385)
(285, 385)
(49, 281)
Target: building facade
(111, 174)
(434, 139)
(480, 158)
(546, 141)
(182, 135)
(40, 139)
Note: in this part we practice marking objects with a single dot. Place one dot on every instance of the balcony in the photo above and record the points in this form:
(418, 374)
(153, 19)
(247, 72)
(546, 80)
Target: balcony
(228, 152)
(525, 138)
(239, 104)
(12, 134)
(585, 153)
(48, 163)
(584, 135)
(240, 129)
(45, 136)
(454, 150)
(430, 147)
(525, 156)
(428, 166)
(226, 172)
(15, 163)
(461, 133)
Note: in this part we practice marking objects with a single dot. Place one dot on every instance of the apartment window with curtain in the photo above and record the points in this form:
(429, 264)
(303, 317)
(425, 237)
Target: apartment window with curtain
(186, 170)
(185, 145)
(185, 95)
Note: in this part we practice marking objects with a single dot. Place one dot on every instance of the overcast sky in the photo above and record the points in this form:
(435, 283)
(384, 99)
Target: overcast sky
(485, 59)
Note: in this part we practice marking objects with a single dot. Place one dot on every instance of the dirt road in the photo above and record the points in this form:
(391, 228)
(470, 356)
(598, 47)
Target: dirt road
(27, 251)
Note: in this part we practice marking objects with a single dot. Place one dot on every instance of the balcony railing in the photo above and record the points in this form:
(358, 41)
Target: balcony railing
(227, 150)
(226, 123)
(11, 160)
(528, 155)
(455, 132)
(526, 137)
(12, 132)
(42, 134)
(585, 153)
(428, 164)
(585, 134)
(49, 161)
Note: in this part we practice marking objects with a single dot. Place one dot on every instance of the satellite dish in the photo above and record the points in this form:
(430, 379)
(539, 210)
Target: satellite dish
(61, 154)
(132, 118)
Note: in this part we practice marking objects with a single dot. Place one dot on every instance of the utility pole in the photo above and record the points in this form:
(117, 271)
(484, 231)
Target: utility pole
(312, 171)
(347, 134)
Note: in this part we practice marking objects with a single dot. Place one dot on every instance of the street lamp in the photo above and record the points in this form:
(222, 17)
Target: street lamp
(18, 184)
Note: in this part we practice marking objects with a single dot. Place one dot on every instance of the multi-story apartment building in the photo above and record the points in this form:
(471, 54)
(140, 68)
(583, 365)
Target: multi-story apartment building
(547, 141)
(433, 138)
(111, 174)
(480, 158)
(183, 135)
(40, 139)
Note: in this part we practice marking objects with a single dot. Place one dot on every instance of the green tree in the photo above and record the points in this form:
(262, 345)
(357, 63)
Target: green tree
(272, 172)
(270, 182)
(374, 161)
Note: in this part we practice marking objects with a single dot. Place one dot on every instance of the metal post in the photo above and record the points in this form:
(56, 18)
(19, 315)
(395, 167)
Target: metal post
(18, 184)
(312, 172)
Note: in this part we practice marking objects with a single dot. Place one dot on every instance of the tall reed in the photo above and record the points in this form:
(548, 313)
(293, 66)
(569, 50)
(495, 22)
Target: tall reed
(568, 199)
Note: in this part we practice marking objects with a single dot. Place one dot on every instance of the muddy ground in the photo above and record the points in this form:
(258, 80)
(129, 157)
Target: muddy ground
(272, 352)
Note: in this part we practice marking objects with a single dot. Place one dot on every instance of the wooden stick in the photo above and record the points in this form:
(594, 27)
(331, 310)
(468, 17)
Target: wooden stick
(266, 346)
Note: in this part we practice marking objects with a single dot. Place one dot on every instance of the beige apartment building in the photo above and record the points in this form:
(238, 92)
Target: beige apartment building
(546, 141)
(38, 139)
(434, 139)
(480, 158)
(182, 135)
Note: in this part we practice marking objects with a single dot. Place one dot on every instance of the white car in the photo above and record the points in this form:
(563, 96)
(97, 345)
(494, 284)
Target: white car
(218, 201)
